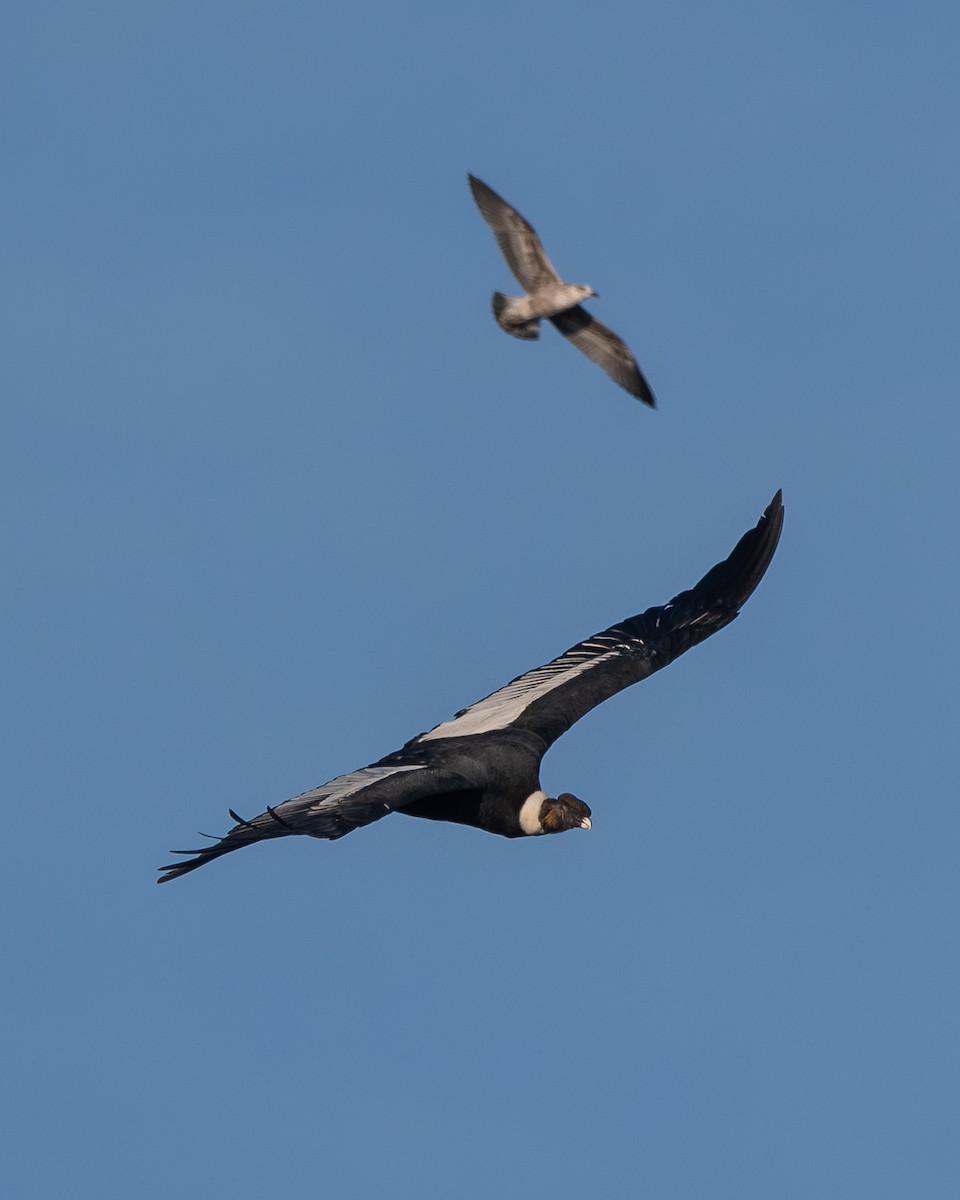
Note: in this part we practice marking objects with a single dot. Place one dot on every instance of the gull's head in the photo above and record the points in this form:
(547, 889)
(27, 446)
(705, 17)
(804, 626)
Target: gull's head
(586, 291)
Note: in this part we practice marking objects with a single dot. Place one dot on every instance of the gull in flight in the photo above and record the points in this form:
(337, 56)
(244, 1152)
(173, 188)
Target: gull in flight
(546, 295)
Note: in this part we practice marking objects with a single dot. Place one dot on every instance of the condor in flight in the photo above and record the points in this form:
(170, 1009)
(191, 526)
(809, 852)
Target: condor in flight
(482, 768)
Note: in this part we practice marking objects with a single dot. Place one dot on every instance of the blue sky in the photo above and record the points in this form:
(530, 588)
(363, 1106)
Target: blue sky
(278, 495)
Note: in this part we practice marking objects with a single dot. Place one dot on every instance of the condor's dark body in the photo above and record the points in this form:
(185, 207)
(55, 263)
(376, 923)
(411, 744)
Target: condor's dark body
(482, 768)
(504, 769)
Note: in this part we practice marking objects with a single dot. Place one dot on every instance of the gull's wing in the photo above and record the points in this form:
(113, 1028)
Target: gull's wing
(606, 349)
(516, 238)
(333, 810)
(549, 699)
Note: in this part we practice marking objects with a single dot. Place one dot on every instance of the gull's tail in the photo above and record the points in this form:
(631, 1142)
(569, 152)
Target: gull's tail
(528, 331)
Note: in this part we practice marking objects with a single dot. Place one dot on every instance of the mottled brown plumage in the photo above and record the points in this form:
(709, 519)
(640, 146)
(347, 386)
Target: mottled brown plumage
(546, 295)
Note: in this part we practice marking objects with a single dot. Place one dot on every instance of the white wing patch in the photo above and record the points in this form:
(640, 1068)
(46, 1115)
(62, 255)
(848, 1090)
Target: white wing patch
(337, 790)
(503, 707)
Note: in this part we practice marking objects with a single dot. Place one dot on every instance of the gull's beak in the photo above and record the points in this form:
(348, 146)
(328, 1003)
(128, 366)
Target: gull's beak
(586, 823)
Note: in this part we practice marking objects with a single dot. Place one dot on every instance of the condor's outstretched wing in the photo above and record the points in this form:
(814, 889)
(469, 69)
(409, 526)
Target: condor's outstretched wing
(549, 699)
(333, 810)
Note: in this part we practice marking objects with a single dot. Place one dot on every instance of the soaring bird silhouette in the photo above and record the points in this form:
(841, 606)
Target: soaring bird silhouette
(482, 768)
(548, 296)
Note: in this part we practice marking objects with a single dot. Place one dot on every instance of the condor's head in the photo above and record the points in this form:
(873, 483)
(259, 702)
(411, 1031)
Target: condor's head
(541, 813)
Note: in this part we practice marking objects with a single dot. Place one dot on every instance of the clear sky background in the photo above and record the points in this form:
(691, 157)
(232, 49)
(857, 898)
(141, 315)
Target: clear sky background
(279, 495)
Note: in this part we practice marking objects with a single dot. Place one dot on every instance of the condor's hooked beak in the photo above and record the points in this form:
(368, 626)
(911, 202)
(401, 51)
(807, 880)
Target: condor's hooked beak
(570, 813)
